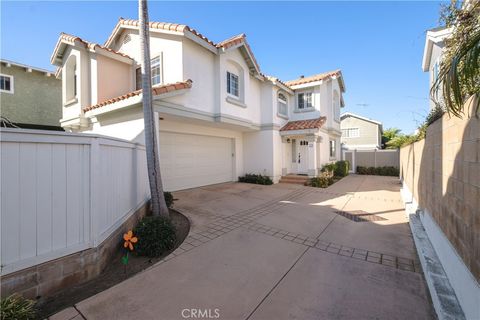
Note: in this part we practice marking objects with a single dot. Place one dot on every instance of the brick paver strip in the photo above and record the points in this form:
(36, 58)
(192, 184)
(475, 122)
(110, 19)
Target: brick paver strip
(355, 253)
(221, 225)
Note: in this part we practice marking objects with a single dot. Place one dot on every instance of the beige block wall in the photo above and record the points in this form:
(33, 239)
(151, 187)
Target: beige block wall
(443, 173)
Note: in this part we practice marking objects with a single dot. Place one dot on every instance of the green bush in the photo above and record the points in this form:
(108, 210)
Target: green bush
(155, 236)
(17, 307)
(324, 180)
(329, 167)
(379, 171)
(341, 168)
(168, 199)
(256, 179)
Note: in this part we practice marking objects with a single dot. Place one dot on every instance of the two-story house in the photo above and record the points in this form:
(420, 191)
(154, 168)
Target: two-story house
(219, 116)
(432, 54)
(30, 97)
(360, 133)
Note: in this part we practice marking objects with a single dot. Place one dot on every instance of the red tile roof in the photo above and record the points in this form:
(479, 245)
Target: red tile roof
(225, 44)
(158, 25)
(230, 42)
(304, 124)
(317, 77)
(90, 45)
(157, 90)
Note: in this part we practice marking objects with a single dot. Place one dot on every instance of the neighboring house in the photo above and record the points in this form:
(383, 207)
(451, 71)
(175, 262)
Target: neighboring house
(360, 133)
(30, 97)
(218, 116)
(432, 54)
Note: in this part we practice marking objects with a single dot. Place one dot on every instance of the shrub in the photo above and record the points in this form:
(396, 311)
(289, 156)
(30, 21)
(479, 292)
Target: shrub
(17, 307)
(168, 199)
(329, 167)
(379, 171)
(256, 179)
(155, 236)
(322, 181)
(341, 168)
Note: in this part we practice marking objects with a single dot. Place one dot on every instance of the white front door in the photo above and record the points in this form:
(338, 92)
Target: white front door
(188, 161)
(302, 156)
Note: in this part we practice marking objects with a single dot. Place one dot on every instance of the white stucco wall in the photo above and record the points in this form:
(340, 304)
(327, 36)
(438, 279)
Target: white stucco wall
(74, 109)
(259, 152)
(169, 46)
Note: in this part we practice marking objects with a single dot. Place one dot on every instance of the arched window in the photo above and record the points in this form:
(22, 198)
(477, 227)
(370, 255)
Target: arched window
(282, 105)
(71, 79)
(336, 106)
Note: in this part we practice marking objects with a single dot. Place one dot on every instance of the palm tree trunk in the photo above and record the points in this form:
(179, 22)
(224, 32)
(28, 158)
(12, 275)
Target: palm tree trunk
(159, 207)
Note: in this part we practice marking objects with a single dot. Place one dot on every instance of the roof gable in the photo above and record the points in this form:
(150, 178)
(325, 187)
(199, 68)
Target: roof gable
(335, 74)
(65, 40)
(240, 42)
(349, 114)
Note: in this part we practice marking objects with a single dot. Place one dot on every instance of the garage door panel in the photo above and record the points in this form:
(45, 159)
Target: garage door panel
(188, 161)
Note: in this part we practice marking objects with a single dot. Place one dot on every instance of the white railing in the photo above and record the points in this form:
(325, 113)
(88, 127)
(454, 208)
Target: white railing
(62, 192)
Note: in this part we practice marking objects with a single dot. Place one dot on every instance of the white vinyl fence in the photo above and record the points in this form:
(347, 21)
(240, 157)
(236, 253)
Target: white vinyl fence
(62, 193)
(372, 158)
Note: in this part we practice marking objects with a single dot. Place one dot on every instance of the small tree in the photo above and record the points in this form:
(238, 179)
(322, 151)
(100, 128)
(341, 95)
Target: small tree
(389, 134)
(459, 75)
(159, 207)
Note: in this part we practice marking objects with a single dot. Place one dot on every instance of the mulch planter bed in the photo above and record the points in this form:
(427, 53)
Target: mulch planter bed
(112, 275)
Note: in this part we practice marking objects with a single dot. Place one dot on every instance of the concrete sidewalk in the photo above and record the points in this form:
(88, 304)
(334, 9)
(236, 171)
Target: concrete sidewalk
(280, 252)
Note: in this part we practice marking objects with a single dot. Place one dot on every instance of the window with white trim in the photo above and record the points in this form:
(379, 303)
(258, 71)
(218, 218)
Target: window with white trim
(294, 151)
(332, 148)
(305, 100)
(336, 106)
(6, 83)
(232, 84)
(351, 132)
(282, 105)
(156, 67)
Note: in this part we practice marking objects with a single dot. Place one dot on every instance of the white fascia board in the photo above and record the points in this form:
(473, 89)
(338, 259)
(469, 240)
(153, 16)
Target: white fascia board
(201, 42)
(130, 102)
(307, 85)
(349, 114)
(112, 55)
(298, 132)
(433, 37)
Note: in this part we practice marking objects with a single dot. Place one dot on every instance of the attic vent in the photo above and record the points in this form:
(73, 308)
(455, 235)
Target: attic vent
(302, 76)
(126, 39)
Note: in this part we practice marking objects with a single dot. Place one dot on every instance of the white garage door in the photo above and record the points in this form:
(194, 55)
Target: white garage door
(188, 161)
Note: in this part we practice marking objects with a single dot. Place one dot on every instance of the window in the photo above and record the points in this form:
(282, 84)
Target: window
(71, 80)
(435, 71)
(305, 100)
(138, 78)
(351, 133)
(6, 83)
(282, 105)
(155, 65)
(232, 84)
(336, 106)
(294, 151)
(332, 148)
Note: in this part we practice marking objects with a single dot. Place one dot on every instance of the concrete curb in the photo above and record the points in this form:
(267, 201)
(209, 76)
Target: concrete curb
(443, 296)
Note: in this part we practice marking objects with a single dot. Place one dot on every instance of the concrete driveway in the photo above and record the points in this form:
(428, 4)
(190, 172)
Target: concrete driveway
(281, 252)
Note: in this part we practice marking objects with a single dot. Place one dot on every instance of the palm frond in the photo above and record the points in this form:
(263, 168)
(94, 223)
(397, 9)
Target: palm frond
(459, 75)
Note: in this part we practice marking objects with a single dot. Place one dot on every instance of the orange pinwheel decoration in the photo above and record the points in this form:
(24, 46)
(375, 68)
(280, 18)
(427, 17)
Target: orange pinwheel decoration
(129, 240)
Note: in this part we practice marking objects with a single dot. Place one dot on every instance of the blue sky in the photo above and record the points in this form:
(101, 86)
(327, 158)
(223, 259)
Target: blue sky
(377, 45)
